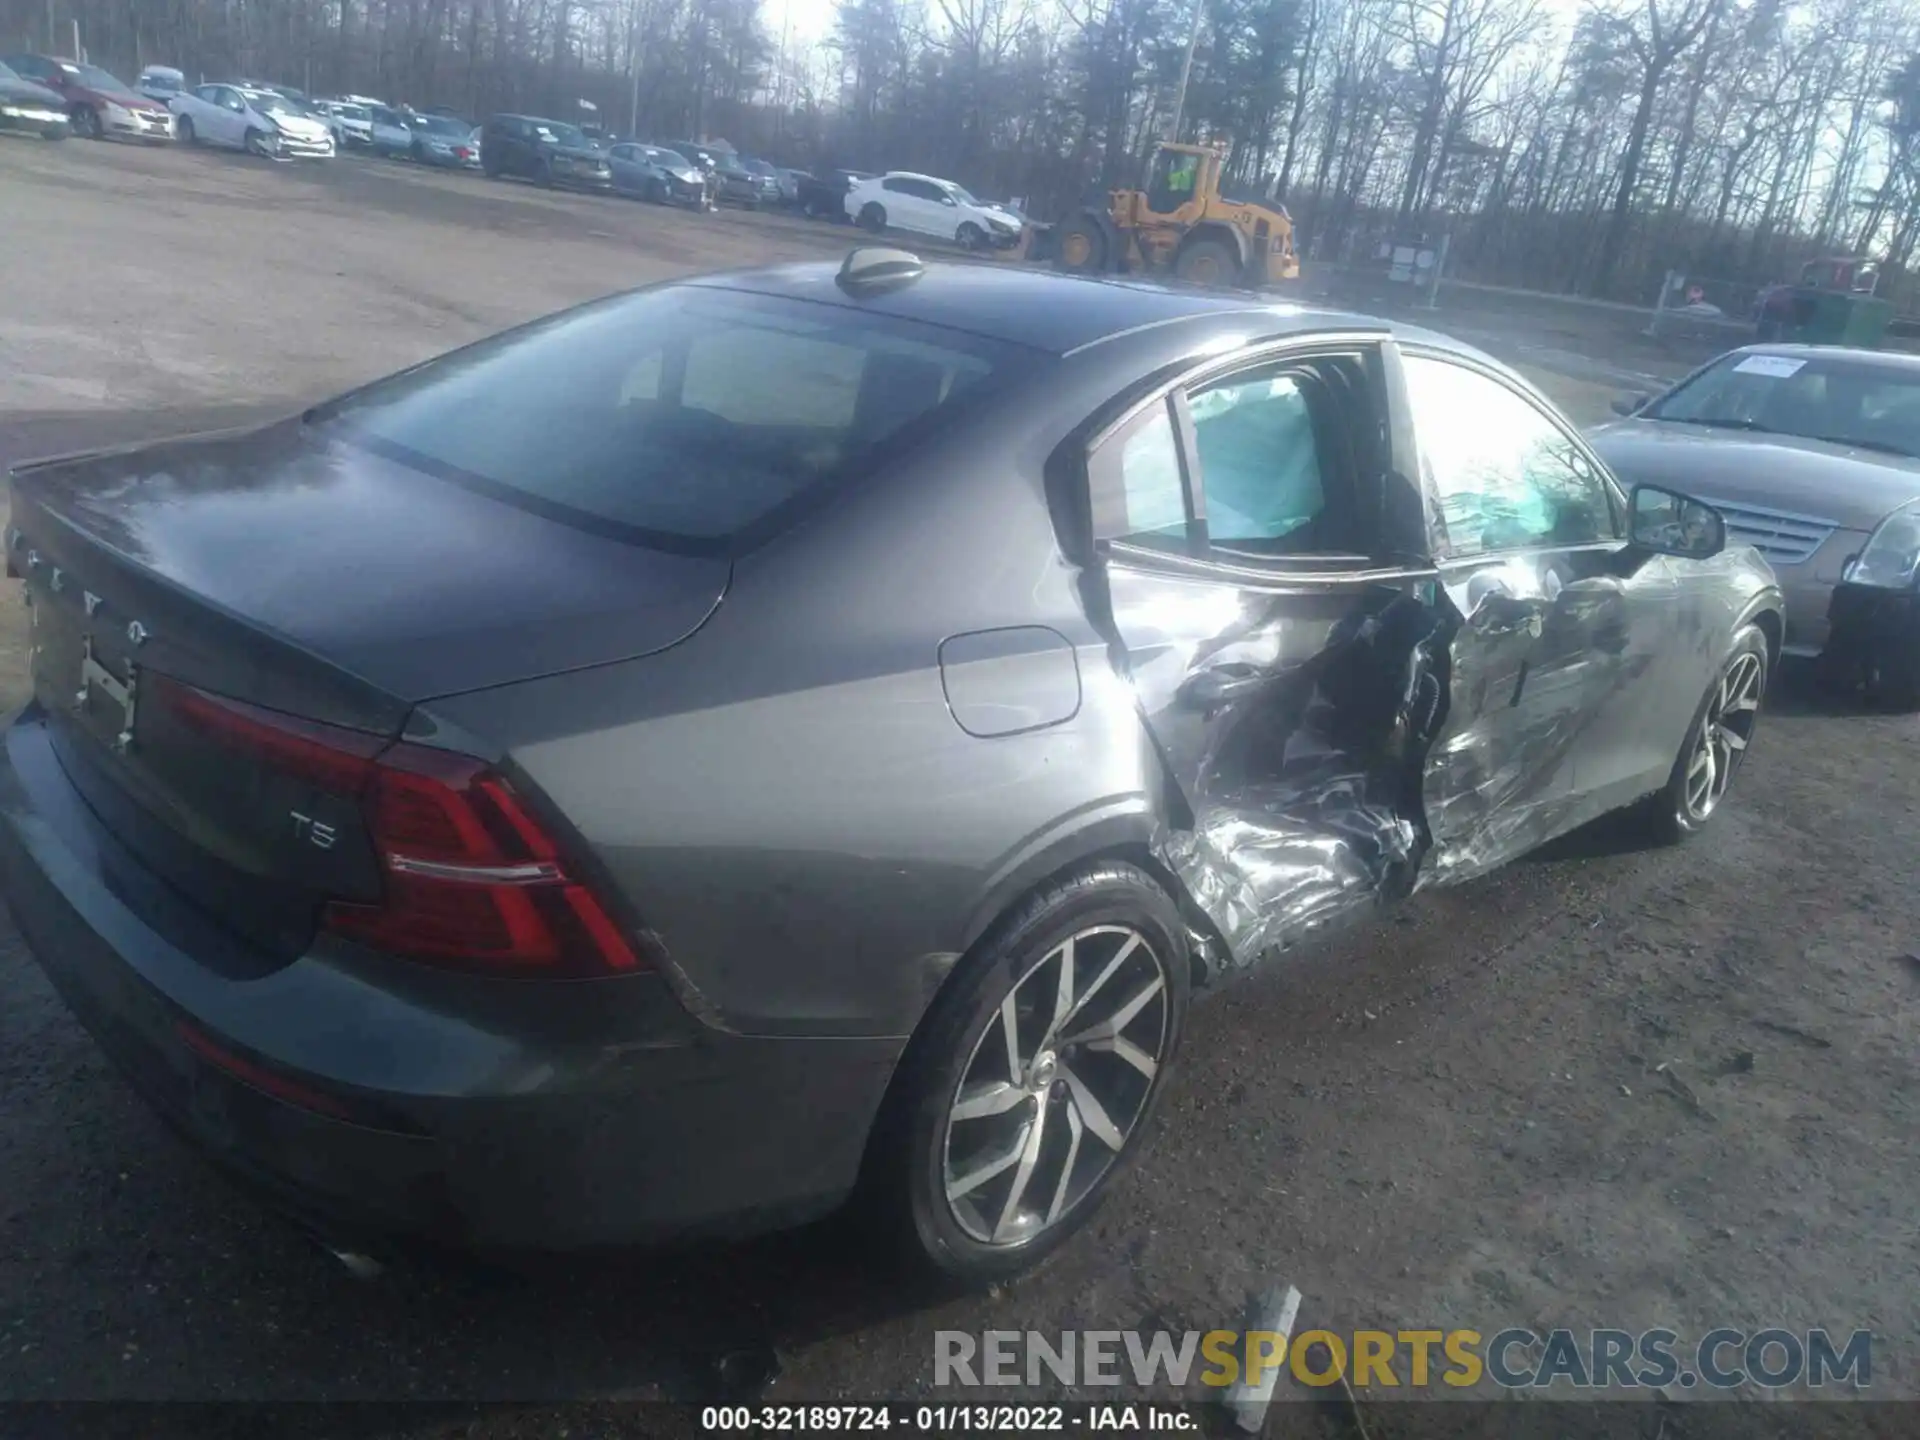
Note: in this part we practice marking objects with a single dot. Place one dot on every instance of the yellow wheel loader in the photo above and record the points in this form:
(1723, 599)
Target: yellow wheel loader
(1179, 224)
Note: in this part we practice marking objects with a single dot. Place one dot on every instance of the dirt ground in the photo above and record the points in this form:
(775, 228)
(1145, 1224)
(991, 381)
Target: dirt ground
(1458, 1117)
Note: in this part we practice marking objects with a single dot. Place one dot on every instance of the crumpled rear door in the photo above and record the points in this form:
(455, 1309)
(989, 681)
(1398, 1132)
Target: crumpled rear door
(1288, 687)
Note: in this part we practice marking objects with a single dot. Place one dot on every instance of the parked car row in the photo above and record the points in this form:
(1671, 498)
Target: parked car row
(53, 97)
(56, 97)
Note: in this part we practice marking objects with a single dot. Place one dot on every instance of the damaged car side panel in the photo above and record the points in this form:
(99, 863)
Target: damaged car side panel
(1296, 728)
(1391, 683)
(1290, 680)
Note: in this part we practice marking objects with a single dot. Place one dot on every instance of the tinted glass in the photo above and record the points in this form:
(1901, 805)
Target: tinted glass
(94, 78)
(1506, 475)
(685, 417)
(1259, 465)
(270, 102)
(1817, 397)
(7, 74)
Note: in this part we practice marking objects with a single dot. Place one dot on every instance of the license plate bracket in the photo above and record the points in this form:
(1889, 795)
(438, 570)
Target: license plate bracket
(124, 695)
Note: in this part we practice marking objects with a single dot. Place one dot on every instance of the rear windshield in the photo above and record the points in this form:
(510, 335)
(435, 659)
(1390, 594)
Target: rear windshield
(686, 418)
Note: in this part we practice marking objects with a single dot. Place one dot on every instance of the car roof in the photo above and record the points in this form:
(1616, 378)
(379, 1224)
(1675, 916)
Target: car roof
(1045, 310)
(912, 175)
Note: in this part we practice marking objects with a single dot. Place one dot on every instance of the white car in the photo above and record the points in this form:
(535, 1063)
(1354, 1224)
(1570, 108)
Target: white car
(900, 200)
(261, 122)
(350, 121)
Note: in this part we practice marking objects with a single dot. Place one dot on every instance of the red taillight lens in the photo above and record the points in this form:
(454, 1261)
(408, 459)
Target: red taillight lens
(328, 757)
(471, 878)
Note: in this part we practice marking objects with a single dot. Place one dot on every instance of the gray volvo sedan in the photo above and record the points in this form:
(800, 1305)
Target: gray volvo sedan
(798, 734)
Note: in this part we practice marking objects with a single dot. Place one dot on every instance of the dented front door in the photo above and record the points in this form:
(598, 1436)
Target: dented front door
(1288, 684)
(1554, 625)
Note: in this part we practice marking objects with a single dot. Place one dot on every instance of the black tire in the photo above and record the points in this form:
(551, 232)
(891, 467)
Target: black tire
(255, 143)
(1893, 679)
(86, 123)
(1080, 247)
(183, 130)
(873, 218)
(1207, 262)
(543, 176)
(971, 237)
(908, 1174)
(1672, 814)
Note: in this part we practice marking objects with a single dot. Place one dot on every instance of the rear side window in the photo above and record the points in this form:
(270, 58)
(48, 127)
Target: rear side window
(689, 418)
(1259, 458)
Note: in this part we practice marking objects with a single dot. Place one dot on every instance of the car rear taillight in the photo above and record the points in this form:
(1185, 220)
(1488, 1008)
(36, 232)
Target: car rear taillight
(471, 878)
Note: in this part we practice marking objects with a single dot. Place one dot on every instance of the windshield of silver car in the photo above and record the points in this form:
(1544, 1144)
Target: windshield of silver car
(1869, 404)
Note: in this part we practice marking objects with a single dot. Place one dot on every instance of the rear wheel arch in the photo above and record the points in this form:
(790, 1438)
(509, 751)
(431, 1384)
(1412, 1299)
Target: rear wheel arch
(1102, 875)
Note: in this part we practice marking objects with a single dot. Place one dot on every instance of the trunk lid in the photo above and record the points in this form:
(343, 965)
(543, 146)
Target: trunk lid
(214, 617)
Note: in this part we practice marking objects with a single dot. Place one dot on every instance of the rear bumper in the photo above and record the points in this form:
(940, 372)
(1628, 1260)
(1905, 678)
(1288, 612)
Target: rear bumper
(380, 1098)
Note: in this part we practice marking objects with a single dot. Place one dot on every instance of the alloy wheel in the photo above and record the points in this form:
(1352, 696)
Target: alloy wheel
(1055, 1086)
(1725, 731)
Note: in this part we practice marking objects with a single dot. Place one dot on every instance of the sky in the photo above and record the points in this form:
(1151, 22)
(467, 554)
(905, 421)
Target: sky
(811, 21)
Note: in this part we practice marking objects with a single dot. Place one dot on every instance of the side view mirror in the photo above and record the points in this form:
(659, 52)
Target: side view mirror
(1629, 404)
(1664, 522)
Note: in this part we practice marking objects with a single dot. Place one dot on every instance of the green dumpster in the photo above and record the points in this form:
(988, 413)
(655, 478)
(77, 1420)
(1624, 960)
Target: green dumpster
(1835, 317)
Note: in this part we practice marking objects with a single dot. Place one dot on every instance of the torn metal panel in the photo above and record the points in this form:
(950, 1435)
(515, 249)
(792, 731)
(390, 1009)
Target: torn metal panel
(1562, 704)
(1294, 724)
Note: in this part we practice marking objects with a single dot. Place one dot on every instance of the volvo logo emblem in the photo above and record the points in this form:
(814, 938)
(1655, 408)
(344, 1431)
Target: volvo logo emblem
(90, 600)
(136, 633)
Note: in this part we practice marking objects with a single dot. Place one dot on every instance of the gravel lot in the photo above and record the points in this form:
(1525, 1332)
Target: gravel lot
(1450, 1119)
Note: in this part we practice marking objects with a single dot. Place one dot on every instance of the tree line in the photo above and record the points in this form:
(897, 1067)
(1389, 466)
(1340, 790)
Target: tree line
(1588, 152)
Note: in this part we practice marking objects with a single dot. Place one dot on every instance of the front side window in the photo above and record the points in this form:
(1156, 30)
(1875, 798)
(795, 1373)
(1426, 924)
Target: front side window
(1507, 476)
(688, 418)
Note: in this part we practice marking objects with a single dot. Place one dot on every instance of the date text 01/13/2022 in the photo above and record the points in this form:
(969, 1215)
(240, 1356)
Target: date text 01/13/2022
(948, 1419)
